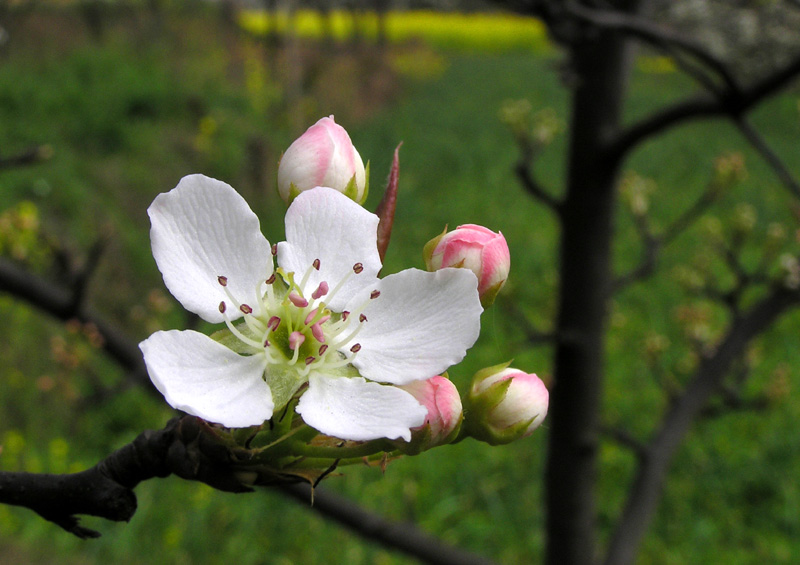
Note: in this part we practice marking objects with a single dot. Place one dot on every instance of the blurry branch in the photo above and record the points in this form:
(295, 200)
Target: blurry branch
(533, 335)
(524, 171)
(626, 439)
(733, 103)
(402, 536)
(66, 302)
(656, 35)
(759, 144)
(653, 244)
(29, 157)
(708, 379)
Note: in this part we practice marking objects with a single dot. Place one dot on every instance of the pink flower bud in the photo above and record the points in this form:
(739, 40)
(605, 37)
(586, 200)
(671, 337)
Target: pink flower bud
(506, 404)
(322, 156)
(476, 248)
(440, 396)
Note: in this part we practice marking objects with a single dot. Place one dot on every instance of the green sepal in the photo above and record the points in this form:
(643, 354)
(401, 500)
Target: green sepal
(366, 185)
(427, 251)
(294, 192)
(487, 299)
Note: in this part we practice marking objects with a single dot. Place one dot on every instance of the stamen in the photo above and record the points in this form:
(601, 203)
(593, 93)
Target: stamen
(223, 281)
(322, 349)
(374, 294)
(297, 300)
(266, 343)
(310, 359)
(362, 318)
(356, 348)
(222, 307)
(345, 314)
(243, 338)
(358, 268)
(271, 279)
(245, 309)
(296, 339)
(316, 331)
(321, 291)
(316, 264)
(273, 323)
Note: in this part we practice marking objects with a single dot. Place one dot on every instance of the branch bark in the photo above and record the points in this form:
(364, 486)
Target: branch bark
(645, 494)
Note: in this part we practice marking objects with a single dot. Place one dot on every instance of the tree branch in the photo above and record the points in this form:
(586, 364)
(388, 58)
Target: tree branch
(772, 159)
(402, 536)
(645, 494)
(65, 302)
(731, 103)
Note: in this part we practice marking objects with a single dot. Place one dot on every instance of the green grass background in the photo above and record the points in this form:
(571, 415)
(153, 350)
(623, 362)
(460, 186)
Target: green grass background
(128, 115)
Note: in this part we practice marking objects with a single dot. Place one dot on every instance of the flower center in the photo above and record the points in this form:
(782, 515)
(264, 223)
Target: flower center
(294, 328)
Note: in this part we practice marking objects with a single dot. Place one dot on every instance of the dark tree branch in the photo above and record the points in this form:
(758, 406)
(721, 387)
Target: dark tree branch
(64, 302)
(29, 157)
(626, 439)
(189, 448)
(654, 34)
(402, 536)
(525, 175)
(733, 104)
(106, 490)
(646, 491)
(759, 144)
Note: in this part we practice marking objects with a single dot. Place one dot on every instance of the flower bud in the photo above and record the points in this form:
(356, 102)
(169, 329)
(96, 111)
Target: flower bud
(505, 404)
(440, 396)
(476, 248)
(322, 156)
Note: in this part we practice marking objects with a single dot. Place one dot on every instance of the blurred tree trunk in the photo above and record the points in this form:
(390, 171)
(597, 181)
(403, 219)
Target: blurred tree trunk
(601, 66)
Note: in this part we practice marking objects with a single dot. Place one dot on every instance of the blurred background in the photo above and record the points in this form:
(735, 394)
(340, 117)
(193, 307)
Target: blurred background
(104, 104)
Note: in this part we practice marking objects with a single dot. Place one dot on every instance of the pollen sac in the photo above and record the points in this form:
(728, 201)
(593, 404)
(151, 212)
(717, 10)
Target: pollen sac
(245, 309)
(374, 294)
(223, 281)
(358, 268)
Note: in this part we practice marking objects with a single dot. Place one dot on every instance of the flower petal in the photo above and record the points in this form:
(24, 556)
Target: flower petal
(324, 224)
(355, 409)
(206, 379)
(200, 230)
(421, 324)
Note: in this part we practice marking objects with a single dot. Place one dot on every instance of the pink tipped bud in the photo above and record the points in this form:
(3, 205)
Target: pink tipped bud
(322, 156)
(505, 404)
(476, 248)
(440, 396)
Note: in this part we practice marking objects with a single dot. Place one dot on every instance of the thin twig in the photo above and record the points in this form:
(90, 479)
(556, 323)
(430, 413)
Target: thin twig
(759, 144)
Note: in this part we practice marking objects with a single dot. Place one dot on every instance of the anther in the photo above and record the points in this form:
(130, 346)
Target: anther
(362, 318)
(266, 343)
(273, 323)
(245, 309)
(345, 314)
(271, 279)
(322, 349)
(310, 359)
(297, 300)
(322, 290)
(357, 268)
(296, 339)
(356, 348)
(223, 281)
(374, 294)
(316, 264)
(222, 307)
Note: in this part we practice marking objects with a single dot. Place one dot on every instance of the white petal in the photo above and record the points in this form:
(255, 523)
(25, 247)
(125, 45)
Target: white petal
(355, 409)
(421, 324)
(324, 224)
(200, 230)
(204, 378)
